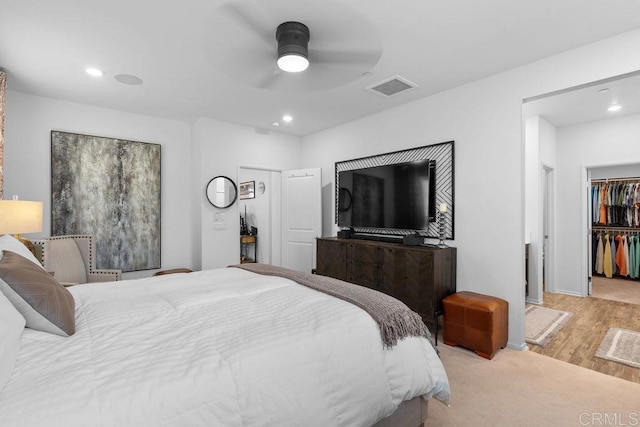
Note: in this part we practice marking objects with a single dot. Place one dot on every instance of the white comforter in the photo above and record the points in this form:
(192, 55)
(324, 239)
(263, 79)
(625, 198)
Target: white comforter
(221, 347)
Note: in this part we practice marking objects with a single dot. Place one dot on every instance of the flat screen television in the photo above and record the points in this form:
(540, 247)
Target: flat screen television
(399, 196)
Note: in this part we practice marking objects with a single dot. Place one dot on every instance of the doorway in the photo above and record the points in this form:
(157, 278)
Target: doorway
(283, 212)
(612, 227)
(263, 211)
(548, 255)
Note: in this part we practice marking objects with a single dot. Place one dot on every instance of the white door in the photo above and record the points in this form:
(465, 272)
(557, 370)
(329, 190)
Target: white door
(301, 217)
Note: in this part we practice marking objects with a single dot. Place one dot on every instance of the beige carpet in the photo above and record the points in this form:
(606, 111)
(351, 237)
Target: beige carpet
(616, 290)
(542, 324)
(622, 346)
(522, 388)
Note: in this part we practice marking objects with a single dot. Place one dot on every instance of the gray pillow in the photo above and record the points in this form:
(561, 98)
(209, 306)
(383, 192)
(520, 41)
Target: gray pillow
(45, 304)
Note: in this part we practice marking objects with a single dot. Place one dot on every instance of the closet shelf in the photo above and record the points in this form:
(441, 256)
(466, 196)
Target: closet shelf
(614, 228)
(610, 180)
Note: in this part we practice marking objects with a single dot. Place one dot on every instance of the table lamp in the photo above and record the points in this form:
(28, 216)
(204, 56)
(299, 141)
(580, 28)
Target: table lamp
(21, 216)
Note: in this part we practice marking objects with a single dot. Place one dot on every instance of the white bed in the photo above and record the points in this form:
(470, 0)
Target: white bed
(223, 347)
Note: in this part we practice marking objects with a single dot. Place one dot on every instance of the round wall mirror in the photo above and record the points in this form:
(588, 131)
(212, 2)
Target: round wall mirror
(222, 192)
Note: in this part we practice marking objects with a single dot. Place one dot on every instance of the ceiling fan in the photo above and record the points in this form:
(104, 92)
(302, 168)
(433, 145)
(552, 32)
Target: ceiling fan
(336, 43)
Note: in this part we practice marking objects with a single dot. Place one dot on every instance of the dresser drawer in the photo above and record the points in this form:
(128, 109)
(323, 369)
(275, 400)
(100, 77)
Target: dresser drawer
(363, 273)
(362, 253)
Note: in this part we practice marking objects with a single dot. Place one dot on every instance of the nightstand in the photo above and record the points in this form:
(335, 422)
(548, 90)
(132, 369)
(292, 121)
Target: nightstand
(247, 243)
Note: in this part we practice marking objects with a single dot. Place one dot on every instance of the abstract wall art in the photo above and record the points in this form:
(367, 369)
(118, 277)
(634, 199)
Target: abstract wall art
(109, 188)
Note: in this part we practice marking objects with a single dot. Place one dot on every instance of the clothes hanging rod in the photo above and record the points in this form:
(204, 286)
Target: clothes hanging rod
(598, 181)
(614, 228)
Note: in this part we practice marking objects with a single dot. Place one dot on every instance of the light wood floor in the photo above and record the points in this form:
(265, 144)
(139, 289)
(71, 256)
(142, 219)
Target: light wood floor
(578, 341)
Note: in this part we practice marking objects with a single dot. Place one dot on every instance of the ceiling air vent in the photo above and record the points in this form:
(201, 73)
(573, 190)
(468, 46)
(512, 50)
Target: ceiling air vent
(391, 86)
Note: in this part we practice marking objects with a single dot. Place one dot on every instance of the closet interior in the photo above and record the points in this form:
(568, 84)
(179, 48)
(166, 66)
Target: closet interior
(615, 219)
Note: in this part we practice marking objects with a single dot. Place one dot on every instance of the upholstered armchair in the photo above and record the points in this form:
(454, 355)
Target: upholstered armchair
(71, 259)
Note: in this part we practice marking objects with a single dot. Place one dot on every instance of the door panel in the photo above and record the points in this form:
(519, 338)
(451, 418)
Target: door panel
(301, 217)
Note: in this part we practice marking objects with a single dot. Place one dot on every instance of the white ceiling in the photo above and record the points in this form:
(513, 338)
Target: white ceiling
(215, 58)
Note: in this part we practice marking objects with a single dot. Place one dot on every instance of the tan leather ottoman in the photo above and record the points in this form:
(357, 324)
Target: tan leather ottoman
(475, 321)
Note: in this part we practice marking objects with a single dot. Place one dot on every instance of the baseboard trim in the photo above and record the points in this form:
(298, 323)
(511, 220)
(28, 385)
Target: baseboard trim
(519, 347)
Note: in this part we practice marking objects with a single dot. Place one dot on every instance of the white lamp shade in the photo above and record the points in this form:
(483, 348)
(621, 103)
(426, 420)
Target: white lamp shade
(20, 216)
(293, 63)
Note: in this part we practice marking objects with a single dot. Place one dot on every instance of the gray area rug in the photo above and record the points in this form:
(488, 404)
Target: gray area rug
(622, 346)
(542, 324)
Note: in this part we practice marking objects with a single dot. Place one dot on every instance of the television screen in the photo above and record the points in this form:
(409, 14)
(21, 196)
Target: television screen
(399, 196)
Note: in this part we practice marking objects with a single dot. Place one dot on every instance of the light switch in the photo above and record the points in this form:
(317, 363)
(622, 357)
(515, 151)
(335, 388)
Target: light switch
(219, 221)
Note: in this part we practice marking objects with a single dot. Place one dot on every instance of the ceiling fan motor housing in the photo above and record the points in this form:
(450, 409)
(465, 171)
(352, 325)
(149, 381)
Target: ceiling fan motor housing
(293, 39)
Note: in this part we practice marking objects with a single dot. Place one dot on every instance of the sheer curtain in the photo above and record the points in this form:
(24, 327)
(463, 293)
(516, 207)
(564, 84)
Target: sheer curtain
(3, 87)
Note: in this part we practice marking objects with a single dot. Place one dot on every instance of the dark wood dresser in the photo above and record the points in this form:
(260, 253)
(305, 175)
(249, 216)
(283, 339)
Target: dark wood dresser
(419, 276)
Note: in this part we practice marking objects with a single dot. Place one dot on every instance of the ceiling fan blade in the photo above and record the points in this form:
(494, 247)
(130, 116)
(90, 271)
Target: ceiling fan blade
(269, 79)
(343, 57)
(249, 21)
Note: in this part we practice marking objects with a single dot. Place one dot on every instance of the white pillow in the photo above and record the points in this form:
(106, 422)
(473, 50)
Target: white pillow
(11, 327)
(10, 243)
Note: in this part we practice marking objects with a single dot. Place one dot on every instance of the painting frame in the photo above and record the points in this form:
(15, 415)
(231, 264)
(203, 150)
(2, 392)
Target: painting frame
(109, 188)
(247, 190)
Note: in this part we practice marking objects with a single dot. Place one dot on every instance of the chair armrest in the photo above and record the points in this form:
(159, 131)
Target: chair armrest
(104, 276)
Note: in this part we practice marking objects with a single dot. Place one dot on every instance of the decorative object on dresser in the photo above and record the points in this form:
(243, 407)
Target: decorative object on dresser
(109, 188)
(418, 276)
(475, 321)
(442, 224)
(21, 216)
(71, 260)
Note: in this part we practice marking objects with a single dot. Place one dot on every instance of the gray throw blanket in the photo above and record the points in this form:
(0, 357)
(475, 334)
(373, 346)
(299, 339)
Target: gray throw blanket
(395, 319)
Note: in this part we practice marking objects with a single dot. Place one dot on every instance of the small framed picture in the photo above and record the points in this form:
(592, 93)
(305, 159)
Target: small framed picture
(247, 190)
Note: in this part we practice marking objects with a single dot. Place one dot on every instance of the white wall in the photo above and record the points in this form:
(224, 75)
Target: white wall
(27, 167)
(222, 148)
(484, 118)
(619, 171)
(602, 143)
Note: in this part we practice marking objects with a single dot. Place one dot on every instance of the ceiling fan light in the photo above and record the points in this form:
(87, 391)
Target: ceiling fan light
(293, 41)
(293, 63)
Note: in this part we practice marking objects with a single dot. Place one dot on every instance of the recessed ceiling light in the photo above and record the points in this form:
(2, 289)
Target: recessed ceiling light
(275, 124)
(94, 72)
(604, 90)
(614, 108)
(287, 118)
(128, 79)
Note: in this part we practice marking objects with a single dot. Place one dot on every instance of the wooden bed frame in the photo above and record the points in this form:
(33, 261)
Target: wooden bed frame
(412, 413)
